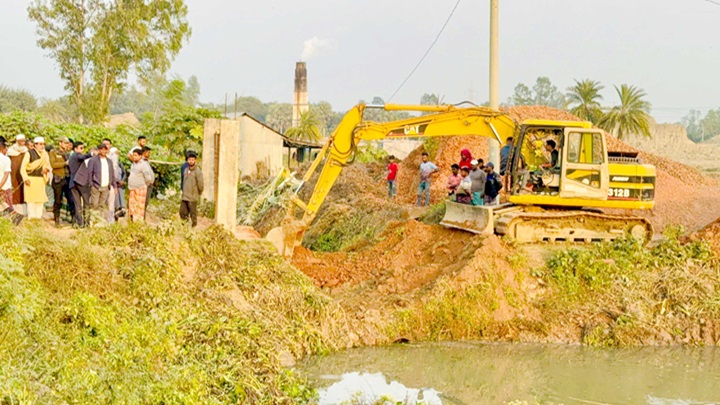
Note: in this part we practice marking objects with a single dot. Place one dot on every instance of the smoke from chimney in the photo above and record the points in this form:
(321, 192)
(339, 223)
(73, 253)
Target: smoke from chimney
(313, 46)
(300, 96)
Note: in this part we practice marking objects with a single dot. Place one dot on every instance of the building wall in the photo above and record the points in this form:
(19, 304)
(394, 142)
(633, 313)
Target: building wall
(261, 149)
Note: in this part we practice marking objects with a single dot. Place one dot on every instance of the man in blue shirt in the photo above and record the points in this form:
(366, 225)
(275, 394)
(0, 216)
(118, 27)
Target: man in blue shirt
(505, 155)
(427, 168)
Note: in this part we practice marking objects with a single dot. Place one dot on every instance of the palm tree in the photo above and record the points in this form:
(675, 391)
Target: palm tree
(631, 116)
(307, 129)
(583, 98)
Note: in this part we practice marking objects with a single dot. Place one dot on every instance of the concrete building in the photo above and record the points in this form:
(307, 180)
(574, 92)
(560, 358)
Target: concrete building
(238, 148)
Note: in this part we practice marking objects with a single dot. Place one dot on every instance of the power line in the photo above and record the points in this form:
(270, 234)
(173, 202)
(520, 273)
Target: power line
(427, 52)
(717, 3)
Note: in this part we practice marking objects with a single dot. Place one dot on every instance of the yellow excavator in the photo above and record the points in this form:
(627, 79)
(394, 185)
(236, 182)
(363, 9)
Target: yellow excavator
(560, 203)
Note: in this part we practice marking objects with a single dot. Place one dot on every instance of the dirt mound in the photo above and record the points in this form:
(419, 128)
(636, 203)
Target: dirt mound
(711, 234)
(683, 196)
(409, 256)
(521, 113)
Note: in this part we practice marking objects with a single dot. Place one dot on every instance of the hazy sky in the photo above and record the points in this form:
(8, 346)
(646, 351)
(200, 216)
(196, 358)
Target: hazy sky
(670, 48)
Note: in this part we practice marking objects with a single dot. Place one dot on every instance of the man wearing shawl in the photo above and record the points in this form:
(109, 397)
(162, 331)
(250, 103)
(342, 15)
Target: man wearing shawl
(465, 159)
(16, 153)
(35, 170)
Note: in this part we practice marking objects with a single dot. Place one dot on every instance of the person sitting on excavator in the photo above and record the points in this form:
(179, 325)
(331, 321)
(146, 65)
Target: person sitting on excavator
(554, 163)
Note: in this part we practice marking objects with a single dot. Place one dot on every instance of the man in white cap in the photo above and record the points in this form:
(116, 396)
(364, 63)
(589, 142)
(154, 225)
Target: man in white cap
(35, 170)
(16, 153)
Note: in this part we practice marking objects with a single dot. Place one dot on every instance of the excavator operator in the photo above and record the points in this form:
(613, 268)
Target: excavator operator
(554, 163)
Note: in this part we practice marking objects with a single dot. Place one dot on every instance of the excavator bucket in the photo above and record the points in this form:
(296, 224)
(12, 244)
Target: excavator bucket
(287, 236)
(472, 218)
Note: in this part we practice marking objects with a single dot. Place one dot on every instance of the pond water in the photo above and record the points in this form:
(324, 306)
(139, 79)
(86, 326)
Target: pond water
(478, 373)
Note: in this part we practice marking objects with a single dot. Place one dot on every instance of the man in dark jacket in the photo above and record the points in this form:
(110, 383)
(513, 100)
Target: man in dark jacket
(79, 182)
(61, 177)
(101, 177)
(192, 188)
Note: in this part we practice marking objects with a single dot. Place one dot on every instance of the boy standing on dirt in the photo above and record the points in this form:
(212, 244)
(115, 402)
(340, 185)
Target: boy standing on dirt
(453, 181)
(427, 168)
(392, 175)
(464, 193)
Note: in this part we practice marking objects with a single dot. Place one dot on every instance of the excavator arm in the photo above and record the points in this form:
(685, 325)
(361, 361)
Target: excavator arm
(445, 120)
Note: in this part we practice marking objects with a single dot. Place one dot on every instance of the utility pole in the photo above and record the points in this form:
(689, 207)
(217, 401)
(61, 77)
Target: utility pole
(493, 144)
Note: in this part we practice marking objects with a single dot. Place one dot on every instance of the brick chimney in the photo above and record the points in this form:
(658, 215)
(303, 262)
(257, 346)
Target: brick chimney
(300, 96)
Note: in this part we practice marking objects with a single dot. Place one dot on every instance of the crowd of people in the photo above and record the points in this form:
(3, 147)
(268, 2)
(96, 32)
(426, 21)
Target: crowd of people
(474, 182)
(471, 182)
(85, 181)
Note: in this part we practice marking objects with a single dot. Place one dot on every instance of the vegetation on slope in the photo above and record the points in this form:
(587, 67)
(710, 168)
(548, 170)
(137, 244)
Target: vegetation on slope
(154, 315)
(611, 294)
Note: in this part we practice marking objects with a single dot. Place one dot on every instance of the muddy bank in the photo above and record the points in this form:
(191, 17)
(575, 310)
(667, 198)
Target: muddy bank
(424, 282)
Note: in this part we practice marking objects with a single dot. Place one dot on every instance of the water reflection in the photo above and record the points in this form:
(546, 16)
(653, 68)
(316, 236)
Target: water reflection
(365, 388)
(468, 373)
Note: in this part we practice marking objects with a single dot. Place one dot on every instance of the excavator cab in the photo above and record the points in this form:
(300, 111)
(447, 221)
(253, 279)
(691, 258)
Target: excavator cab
(562, 201)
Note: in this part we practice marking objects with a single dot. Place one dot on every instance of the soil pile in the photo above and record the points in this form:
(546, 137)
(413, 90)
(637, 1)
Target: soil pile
(409, 256)
(711, 234)
(684, 196)
(521, 113)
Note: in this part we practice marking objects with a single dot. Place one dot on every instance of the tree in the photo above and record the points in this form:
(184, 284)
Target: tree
(253, 106)
(522, 96)
(542, 93)
(279, 116)
(693, 123)
(711, 124)
(429, 99)
(324, 114)
(547, 94)
(16, 99)
(59, 110)
(177, 125)
(96, 44)
(583, 100)
(631, 116)
(307, 129)
(192, 91)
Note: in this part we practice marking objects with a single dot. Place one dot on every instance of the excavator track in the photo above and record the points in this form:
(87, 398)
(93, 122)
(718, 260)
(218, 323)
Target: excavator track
(571, 226)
